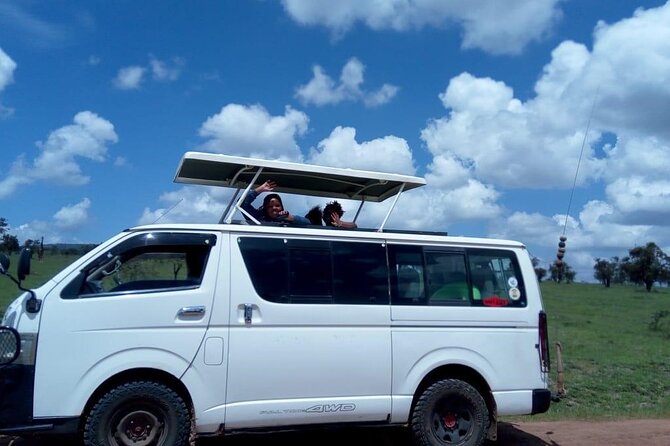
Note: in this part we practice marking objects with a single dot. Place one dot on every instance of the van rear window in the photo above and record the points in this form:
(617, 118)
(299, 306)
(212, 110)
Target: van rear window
(455, 277)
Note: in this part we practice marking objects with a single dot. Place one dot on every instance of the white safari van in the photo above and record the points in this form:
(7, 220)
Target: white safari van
(171, 331)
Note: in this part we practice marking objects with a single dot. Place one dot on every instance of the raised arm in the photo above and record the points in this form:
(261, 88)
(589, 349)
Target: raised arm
(268, 186)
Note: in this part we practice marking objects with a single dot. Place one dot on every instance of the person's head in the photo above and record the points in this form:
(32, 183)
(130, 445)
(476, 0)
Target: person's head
(314, 215)
(272, 206)
(332, 208)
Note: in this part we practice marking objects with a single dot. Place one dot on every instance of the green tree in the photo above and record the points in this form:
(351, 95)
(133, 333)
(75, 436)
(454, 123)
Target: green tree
(568, 273)
(10, 243)
(620, 276)
(540, 272)
(604, 271)
(563, 272)
(647, 264)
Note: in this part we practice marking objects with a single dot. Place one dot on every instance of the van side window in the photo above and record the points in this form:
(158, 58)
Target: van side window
(466, 277)
(145, 263)
(316, 271)
(310, 272)
(447, 279)
(266, 260)
(360, 273)
(497, 275)
(407, 275)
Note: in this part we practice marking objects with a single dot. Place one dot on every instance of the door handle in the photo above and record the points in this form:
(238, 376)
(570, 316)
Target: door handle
(198, 310)
(248, 313)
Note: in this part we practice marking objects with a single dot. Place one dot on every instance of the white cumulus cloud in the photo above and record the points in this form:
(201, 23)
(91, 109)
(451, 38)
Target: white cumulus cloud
(7, 67)
(189, 204)
(340, 149)
(491, 25)
(251, 131)
(129, 78)
(323, 90)
(63, 226)
(165, 71)
(74, 216)
(132, 77)
(58, 162)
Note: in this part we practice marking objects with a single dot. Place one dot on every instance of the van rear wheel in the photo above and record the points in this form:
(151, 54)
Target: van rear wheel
(450, 412)
(138, 413)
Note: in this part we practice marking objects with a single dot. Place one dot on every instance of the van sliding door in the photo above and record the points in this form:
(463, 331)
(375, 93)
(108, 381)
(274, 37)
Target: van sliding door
(309, 332)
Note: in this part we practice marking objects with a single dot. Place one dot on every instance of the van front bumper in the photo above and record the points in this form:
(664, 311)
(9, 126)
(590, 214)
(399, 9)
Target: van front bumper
(17, 382)
(16, 395)
(50, 426)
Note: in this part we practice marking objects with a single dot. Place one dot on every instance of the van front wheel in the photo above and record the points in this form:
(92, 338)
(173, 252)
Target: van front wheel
(138, 413)
(450, 412)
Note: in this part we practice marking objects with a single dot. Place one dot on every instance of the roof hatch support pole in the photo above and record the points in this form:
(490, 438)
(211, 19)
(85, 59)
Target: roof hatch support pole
(230, 203)
(360, 206)
(388, 214)
(238, 205)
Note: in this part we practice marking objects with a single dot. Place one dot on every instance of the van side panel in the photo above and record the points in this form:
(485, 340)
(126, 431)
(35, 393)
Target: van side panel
(497, 343)
(505, 357)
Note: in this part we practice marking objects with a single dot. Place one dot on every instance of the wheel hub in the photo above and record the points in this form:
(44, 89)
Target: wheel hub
(449, 421)
(138, 428)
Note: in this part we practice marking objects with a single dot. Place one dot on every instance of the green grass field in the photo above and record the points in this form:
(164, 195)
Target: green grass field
(616, 366)
(40, 272)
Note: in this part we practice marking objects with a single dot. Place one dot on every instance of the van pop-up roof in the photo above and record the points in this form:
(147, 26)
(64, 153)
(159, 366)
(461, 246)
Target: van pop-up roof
(241, 173)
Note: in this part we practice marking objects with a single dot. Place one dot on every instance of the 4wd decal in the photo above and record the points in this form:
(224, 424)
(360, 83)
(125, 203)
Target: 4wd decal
(320, 408)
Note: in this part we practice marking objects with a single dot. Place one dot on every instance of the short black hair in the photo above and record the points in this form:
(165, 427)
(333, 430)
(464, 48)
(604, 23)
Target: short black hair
(314, 215)
(266, 200)
(332, 208)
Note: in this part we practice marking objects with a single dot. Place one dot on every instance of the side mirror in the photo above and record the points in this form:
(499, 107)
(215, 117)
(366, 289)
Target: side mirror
(10, 345)
(33, 304)
(4, 264)
(23, 268)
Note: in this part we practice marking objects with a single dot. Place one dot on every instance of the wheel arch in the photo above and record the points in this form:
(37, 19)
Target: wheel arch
(136, 374)
(463, 373)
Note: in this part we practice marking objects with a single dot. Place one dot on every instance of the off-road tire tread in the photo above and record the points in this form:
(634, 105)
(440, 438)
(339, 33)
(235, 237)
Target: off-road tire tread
(151, 389)
(424, 438)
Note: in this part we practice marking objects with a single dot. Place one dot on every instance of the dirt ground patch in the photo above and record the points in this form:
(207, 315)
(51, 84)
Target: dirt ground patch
(559, 433)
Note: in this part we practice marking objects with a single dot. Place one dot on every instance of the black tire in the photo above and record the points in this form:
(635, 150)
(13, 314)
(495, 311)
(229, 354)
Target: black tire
(138, 413)
(450, 412)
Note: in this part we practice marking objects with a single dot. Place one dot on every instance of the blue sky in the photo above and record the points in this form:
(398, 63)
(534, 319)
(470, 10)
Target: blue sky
(488, 100)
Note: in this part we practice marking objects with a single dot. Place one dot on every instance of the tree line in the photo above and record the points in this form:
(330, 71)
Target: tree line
(9, 244)
(644, 265)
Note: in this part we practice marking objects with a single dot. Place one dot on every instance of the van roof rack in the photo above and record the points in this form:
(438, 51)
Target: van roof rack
(241, 173)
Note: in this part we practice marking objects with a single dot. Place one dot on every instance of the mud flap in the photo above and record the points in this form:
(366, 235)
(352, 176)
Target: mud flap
(492, 433)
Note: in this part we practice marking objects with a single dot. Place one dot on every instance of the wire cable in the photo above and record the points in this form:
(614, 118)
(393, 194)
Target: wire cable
(579, 162)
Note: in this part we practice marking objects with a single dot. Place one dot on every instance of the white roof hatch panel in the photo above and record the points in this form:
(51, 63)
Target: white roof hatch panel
(213, 169)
